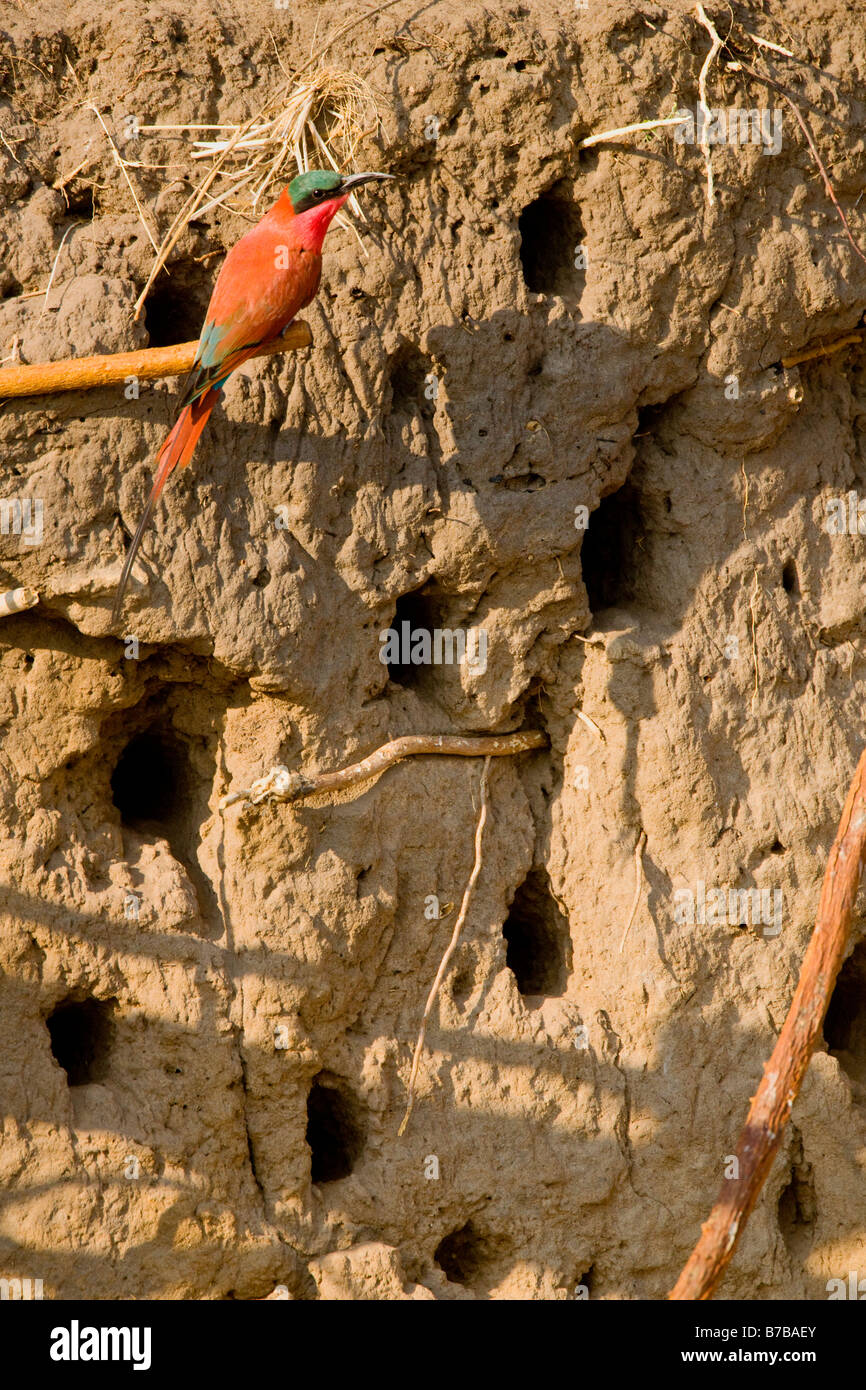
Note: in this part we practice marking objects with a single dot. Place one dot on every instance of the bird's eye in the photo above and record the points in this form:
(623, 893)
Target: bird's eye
(318, 192)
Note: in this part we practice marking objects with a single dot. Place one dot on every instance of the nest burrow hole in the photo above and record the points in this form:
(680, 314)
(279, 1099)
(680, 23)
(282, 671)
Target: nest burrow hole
(82, 1033)
(416, 617)
(538, 941)
(336, 1131)
(176, 306)
(552, 245)
(608, 552)
(150, 778)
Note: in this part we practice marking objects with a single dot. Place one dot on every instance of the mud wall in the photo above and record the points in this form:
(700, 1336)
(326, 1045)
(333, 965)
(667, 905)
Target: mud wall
(545, 400)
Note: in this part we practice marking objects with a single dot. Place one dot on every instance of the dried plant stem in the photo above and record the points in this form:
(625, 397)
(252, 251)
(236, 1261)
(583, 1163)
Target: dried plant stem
(17, 600)
(810, 353)
(5, 142)
(638, 884)
(15, 353)
(282, 785)
(47, 289)
(765, 43)
(591, 725)
(783, 1074)
(122, 165)
(627, 130)
(753, 621)
(451, 948)
(717, 44)
(824, 175)
(84, 373)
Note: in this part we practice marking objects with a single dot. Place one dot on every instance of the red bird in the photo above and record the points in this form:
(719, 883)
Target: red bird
(266, 279)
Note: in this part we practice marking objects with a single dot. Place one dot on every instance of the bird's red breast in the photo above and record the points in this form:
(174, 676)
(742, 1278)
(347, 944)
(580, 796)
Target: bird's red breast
(312, 225)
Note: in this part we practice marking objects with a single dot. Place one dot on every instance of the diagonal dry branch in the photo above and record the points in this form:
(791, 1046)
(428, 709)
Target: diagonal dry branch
(783, 1074)
(813, 149)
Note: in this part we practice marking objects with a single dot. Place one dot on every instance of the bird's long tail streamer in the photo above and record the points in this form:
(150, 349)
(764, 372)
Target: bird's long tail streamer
(176, 452)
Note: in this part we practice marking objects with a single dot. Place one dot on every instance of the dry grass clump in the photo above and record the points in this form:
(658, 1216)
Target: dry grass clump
(320, 112)
(326, 116)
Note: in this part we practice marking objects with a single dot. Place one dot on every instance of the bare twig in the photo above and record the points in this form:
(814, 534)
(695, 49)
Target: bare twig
(47, 289)
(451, 948)
(783, 1074)
(122, 166)
(83, 373)
(5, 142)
(15, 354)
(824, 175)
(591, 725)
(638, 884)
(809, 353)
(745, 499)
(753, 621)
(282, 785)
(63, 180)
(765, 43)
(717, 44)
(628, 130)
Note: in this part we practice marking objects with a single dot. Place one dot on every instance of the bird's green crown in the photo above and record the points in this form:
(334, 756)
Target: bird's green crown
(314, 188)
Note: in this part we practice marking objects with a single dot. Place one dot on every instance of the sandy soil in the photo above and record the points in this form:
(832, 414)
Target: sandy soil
(208, 1022)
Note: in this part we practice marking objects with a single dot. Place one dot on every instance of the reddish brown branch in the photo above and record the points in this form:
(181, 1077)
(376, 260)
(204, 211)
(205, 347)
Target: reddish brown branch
(783, 1074)
(813, 149)
(831, 193)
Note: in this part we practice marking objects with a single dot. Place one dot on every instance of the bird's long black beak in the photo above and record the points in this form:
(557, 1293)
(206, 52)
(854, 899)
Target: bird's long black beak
(353, 181)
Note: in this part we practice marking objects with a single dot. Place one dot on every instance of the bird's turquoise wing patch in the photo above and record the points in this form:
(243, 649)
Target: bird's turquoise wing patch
(208, 354)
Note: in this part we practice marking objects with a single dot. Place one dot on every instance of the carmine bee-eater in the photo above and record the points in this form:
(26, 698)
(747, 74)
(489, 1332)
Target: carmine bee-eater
(266, 279)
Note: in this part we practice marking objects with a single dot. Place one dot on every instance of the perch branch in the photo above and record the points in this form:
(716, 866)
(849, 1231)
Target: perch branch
(451, 948)
(282, 785)
(783, 1074)
(84, 373)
